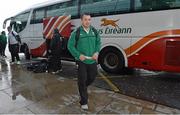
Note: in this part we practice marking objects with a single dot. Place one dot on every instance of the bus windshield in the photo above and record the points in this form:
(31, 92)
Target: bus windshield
(19, 22)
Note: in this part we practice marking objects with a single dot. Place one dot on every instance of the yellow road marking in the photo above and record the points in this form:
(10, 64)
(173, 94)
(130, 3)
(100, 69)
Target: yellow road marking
(109, 77)
(113, 87)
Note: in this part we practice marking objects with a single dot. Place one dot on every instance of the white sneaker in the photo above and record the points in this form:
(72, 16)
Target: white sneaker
(12, 63)
(56, 72)
(84, 107)
(53, 72)
(18, 62)
(60, 70)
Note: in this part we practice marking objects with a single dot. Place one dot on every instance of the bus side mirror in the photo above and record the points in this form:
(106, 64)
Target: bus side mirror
(4, 25)
(5, 22)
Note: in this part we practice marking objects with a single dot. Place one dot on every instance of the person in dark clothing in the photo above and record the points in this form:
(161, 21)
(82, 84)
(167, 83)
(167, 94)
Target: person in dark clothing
(48, 41)
(56, 50)
(1, 44)
(4, 43)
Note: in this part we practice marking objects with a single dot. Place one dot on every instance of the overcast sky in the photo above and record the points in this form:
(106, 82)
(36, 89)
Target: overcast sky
(9, 8)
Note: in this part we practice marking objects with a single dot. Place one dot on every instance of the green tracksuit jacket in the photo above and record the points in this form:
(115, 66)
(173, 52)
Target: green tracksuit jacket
(88, 44)
(3, 38)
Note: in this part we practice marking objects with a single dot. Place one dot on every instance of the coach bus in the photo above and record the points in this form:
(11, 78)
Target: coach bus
(135, 33)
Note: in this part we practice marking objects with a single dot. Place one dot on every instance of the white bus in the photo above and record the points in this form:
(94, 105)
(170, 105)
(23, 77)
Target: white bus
(135, 33)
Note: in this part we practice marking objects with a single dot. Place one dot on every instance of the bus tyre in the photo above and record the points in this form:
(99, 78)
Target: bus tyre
(112, 61)
(26, 52)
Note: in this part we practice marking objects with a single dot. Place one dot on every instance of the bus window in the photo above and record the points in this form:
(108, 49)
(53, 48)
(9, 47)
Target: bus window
(150, 5)
(174, 3)
(105, 7)
(54, 10)
(122, 6)
(72, 8)
(20, 22)
(38, 16)
(66, 8)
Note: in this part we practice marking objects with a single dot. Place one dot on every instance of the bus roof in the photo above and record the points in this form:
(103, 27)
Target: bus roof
(43, 4)
(47, 3)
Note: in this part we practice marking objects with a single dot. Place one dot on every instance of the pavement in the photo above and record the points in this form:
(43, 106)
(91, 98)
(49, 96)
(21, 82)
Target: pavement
(24, 92)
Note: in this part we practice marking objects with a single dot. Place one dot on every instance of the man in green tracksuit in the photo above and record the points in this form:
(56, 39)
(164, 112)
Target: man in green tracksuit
(4, 42)
(85, 50)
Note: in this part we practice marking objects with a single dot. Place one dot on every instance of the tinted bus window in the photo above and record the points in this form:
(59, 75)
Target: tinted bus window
(38, 16)
(21, 21)
(66, 8)
(105, 7)
(150, 5)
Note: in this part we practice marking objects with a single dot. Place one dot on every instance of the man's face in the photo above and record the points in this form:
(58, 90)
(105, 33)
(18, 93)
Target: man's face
(86, 21)
(9, 29)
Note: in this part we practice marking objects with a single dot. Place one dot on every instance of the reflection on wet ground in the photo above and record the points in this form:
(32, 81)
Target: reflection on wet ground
(24, 92)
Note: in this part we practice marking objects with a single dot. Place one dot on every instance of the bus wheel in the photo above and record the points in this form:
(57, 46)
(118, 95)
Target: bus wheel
(112, 60)
(26, 52)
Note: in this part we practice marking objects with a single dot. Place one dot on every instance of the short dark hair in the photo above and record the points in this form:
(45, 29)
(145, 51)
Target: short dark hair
(9, 27)
(83, 14)
(3, 32)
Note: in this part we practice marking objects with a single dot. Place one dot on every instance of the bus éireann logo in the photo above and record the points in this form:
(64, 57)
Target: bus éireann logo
(106, 22)
(111, 27)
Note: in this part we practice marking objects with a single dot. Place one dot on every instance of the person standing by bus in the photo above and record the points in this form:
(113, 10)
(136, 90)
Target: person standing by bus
(85, 48)
(13, 45)
(4, 43)
(56, 50)
(1, 44)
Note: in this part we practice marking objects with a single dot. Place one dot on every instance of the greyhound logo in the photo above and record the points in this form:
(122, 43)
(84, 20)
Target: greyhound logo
(106, 22)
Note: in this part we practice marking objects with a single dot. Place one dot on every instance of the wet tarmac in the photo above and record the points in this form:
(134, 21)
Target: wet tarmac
(158, 87)
(24, 92)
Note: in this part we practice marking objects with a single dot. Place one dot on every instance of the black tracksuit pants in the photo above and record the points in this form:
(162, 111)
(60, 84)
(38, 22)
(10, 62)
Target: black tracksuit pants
(55, 63)
(14, 49)
(4, 48)
(1, 49)
(86, 76)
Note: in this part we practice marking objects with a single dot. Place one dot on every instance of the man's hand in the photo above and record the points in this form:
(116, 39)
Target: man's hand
(95, 56)
(82, 57)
